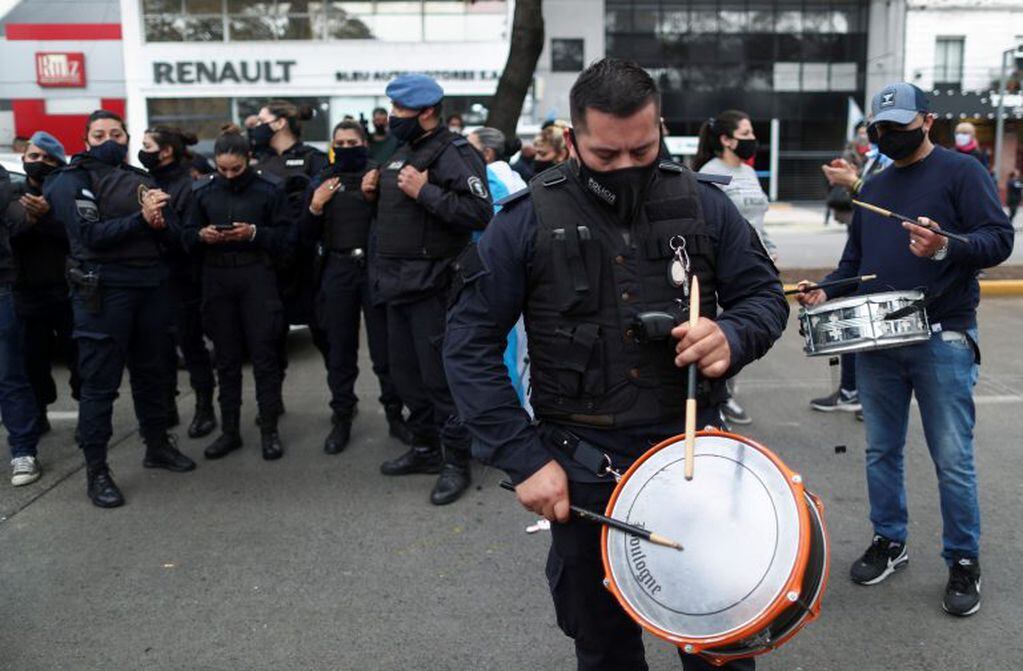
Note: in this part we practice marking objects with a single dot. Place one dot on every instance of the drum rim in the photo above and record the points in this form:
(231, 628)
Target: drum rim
(696, 644)
(840, 302)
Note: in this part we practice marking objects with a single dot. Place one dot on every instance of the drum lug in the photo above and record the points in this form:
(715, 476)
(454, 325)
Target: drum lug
(607, 583)
(792, 596)
(797, 478)
(689, 649)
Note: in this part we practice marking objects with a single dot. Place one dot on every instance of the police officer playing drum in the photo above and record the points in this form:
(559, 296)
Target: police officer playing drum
(239, 220)
(338, 218)
(116, 222)
(433, 194)
(597, 254)
(164, 154)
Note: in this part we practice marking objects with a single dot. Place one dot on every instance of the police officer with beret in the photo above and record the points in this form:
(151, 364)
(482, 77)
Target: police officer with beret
(433, 195)
(339, 218)
(117, 222)
(587, 253)
(40, 292)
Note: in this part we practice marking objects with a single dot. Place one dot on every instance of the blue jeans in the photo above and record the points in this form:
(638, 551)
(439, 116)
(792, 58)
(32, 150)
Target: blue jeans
(17, 400)
(942, 373)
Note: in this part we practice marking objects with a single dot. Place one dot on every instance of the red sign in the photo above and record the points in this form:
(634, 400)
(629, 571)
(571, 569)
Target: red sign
(62, 69)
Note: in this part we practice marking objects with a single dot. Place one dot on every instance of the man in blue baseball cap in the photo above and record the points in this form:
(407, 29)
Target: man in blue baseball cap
(953, 192)
(433, 195)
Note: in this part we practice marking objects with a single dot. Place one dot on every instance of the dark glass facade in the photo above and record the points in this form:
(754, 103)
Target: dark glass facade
(798, 62)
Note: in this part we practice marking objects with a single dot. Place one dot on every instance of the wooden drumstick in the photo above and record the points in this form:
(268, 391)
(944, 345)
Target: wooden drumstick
(624, 527)
(694, 318)
(900, 217)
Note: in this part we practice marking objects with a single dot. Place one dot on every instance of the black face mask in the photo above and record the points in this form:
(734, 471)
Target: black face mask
(237, 182)
(746, 149)
(405, 129)
(260, 136)
(150, 160)
(38, 171)
(621, 190)
(900, 144)
(379, 128)
(350, 159)
(110, 152)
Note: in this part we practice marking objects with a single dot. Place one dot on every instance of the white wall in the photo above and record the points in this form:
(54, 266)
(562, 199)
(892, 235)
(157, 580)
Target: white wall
(988, 26)
(570, 19)
(104, 69)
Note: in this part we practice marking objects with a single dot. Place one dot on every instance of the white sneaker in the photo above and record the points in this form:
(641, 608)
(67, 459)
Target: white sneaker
(24, 471)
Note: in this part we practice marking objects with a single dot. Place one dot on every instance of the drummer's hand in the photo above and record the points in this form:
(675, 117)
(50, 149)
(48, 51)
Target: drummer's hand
(923, 242)
(546, 492)
(810, 298)
(706, 345)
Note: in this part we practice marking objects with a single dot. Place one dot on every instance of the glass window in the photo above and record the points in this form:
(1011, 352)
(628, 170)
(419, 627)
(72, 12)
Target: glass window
(161, 6)
(704, 17)
(618, 19)
(733, 17)
(164, 28)
(673, 21)
(786, 76)
(566, 55)
(789, 18)
(815, 21)
(203, 29)
(948, 61)
(253, 28)
(815, 76)
(203, 7)
(843, 77)
(644, 18)
(202, 116)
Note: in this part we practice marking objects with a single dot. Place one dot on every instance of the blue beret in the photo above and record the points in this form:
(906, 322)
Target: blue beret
(49, 144)
(414, 91)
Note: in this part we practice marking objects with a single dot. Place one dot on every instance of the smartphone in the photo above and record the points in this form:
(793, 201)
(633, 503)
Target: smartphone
(225, 227)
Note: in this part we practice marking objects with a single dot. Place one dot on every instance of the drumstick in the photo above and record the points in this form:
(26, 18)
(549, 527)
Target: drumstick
(694, 317)
(832, 283)
(895, 215)
(624, 527)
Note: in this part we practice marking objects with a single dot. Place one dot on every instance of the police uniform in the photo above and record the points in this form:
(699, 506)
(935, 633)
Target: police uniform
(418, 241)
(342, 234)
(241, 303)
(295, 168)
(41, 299)
(186, 299)
(119, 300)
(600, 384)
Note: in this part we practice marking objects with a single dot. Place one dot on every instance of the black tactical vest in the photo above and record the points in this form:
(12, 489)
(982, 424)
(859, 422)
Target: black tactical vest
(406, 229)
(587, 288)
(347, 217)
(118, 192)
(294, 168)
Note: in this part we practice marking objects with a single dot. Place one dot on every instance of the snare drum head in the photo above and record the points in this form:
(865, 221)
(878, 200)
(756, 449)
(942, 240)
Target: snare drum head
(740, 521)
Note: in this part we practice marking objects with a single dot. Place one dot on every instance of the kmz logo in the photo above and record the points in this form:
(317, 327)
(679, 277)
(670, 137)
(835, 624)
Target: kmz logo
(60, 69)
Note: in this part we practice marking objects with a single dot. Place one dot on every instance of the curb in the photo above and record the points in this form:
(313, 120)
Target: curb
(987, 288)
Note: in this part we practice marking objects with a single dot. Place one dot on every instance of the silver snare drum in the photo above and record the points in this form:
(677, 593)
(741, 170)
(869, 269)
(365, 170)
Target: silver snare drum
(861, 323)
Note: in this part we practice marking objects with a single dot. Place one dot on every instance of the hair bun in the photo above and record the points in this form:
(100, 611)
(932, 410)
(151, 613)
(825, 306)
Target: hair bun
(230, 128)
(305, 112)
(189, 138)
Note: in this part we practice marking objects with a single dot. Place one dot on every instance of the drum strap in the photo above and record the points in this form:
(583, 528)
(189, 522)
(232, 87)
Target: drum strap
(594, 460)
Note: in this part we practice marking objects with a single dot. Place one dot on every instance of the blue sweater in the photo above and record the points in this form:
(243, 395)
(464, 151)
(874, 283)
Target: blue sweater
(951, 189)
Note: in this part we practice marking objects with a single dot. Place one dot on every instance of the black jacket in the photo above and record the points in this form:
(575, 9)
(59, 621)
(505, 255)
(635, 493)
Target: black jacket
(40, 248)
(251, 198)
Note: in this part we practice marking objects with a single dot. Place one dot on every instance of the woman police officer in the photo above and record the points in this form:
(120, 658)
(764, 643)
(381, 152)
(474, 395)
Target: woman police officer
(165, 156)
(238, 218)
(117, 223)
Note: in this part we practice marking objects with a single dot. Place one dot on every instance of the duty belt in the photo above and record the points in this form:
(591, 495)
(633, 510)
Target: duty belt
(234, 259)
(350, 253)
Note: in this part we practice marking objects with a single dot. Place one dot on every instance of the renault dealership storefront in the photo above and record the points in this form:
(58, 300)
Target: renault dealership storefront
(200, 79)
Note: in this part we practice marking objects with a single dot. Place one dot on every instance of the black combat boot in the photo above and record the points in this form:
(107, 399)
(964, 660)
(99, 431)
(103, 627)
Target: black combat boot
(229, 440)
(339, 436)
(205, 420)
(102, 489)
(161, 452)
(454, 477)
(424, 457)
(396, 425)
(272, 447)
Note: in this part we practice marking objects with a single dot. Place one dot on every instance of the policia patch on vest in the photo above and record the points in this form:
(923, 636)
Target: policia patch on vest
(477, 188)
(86, 206)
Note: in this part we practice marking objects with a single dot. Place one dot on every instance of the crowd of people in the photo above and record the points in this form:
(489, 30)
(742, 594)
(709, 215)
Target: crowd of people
(391, 226)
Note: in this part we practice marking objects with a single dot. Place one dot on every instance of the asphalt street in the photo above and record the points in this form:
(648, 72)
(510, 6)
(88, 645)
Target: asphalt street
(319, 562)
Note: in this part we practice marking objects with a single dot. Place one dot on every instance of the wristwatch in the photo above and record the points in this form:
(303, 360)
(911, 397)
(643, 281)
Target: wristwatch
(941, 253)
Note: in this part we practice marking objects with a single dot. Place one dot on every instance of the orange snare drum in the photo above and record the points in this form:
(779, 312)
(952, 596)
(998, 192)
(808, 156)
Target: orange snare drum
(756, 556)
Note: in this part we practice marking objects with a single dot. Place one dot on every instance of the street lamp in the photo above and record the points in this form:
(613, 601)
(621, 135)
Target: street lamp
(1017, 54)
